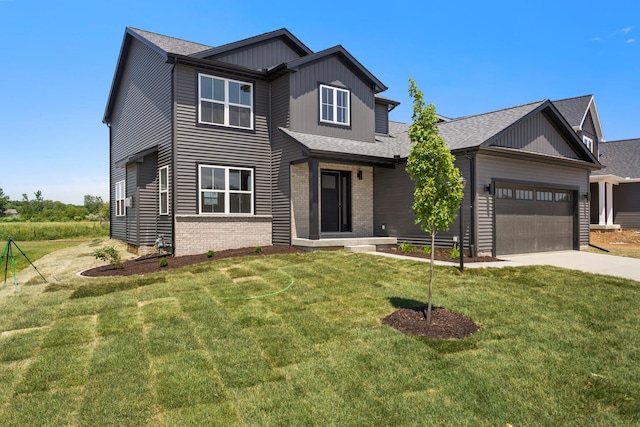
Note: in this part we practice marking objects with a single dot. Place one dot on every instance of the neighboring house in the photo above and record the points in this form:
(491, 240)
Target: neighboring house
(615, 190)
(263, 141)
(581, 113)
(11, 212)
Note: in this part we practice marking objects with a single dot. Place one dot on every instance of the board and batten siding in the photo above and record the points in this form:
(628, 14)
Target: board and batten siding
(393, 197)
(260, 56)
(626, 205)
(283, 152)
(218, 145)
(536, 135)
(305, 101)
(491, 167)
(141, 119)
(382, 119)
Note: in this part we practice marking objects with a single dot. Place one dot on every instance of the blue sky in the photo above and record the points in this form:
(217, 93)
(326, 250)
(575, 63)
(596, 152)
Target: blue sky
(468, 57)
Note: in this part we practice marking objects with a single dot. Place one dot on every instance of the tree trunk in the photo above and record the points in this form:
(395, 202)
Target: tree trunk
(433, 249)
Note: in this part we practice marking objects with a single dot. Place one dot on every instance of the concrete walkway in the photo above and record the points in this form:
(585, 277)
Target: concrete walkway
(627, 268)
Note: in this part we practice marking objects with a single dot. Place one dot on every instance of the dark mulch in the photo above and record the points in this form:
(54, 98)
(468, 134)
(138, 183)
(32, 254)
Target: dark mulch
(440, 255)
(444, 323)
(152, 265)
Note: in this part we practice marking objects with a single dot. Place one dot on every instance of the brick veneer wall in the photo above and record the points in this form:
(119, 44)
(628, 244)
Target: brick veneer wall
(197, 234)
(361, 199)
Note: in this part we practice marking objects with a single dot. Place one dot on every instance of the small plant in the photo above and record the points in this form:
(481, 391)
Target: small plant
(455, 252)
(164, 262)
(406, 247)
(109, 254)
(210, 254)
(258, 249)
(426, 250)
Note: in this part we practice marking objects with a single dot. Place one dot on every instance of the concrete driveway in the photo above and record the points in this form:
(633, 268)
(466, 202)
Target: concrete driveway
(627, 268)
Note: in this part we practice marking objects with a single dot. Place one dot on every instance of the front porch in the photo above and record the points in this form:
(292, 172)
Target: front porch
(354, 244)
(602, 213)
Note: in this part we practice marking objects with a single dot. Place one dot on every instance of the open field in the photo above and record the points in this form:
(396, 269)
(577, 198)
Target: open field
(28, 231)
(297, 340)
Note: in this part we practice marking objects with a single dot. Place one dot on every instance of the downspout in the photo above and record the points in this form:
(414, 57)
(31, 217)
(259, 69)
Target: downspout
(173, 172)
(472, 214)
(110, 178)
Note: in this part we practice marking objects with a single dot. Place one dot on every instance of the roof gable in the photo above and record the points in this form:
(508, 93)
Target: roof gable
(282, 35)
(351, 62)
(575, 111)
(165, 44)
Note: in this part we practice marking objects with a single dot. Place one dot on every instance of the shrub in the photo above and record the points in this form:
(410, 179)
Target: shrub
(427, 250)
(164, 262)
(258, 249)
(406, 247)
(455, 252)
(210, 254)
(109, 254)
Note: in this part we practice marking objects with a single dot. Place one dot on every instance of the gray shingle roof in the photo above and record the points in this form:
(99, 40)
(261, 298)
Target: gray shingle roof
(472, 131)
(574, 109)
(171, 44)
(621, 158)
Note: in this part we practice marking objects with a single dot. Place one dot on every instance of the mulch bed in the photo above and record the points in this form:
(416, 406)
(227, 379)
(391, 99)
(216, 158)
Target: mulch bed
(152, 265)
(444, 323)
(440, 255)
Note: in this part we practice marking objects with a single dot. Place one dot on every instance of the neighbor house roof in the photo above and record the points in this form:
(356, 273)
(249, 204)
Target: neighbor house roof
(620, 158)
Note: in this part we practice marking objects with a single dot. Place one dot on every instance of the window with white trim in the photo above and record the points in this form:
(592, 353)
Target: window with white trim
(588, 142)
(225, 102)
(163, 190)
(225, 190)
(334, 105)
(121, 195)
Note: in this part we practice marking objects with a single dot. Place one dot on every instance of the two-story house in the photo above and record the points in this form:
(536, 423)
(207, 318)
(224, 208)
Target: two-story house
(263, 141)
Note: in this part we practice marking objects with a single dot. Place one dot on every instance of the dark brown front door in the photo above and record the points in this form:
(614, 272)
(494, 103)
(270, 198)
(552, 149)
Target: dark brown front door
(336, 201)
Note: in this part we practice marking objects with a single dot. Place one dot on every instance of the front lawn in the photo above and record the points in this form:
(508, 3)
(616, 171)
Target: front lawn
(297, 340)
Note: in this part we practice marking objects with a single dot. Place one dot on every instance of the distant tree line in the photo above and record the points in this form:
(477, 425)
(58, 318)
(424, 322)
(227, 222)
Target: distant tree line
(38, 209)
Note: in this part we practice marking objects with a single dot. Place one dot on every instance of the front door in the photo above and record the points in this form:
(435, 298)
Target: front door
(336, 201)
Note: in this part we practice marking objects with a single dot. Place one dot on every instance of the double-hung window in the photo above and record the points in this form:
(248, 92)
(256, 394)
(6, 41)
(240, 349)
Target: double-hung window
(120, 198)
(588, 142)
(334, 105)
(225, 102)
(163, 190)
(225, 190)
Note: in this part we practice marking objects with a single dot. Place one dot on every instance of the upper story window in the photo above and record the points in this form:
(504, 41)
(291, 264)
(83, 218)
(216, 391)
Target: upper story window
(225, 190)
(163, 190)
(120, 198)
(588, 142)
(225, 102)
(334, 105)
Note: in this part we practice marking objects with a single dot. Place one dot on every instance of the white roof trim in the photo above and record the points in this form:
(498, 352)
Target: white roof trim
(596, 118)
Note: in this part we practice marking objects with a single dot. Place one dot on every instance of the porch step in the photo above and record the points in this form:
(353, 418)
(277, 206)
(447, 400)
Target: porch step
(361, 248)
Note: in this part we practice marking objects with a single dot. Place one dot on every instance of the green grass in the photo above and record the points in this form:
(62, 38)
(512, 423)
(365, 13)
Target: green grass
(556, 347)
(33, 251)
(29, 231)
(629, 253)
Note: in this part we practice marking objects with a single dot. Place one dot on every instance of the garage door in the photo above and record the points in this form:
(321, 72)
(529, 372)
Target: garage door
(533, 219)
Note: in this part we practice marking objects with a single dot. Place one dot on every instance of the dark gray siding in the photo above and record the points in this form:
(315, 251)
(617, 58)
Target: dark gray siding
(132, 211)
(589, 130)
(305, 101)
(218, 145)
(393, 197)
(261, 56)
(283, 152)
(536, 135)
(147, 201)
(382, 119)
(499, 168)
(141, 119)
(626, 205)
(595, 195)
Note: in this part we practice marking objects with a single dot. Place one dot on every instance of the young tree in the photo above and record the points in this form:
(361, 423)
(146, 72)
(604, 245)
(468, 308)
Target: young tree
(4, 200)
(93, 203)
(438, 185)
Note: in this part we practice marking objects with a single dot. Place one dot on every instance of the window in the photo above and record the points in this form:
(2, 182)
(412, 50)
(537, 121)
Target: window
(504, 193)
(120, 197)
(225, 190)
(563, 196)
(588, 142)
(544, 196)
(334, 105)
(163, 190)
(524, 194)
(225, 102)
